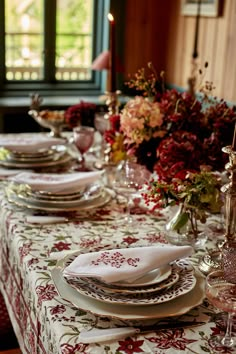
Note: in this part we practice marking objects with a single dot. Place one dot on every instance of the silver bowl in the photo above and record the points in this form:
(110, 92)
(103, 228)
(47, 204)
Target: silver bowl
(53, 120)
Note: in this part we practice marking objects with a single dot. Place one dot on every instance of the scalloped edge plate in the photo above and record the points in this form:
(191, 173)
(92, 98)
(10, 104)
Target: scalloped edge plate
(176, 307)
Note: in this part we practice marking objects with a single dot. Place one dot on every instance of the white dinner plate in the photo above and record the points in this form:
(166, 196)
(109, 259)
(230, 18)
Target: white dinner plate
(86, 205)
(80, 200)
(28, 144)
(42, 153)
(55, 153)
(57, 159)
(176, 307)
(43, 195)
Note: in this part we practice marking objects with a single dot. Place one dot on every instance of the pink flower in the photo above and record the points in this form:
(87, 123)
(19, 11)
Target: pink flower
(140, 119)
(81, 113)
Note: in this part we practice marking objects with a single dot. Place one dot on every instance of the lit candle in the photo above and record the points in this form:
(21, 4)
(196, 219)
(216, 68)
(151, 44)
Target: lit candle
(112, 66)
(195, 52)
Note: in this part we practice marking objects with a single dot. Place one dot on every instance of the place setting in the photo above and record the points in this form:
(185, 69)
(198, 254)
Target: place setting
(139, 283)
(34, 152)
(53, 192)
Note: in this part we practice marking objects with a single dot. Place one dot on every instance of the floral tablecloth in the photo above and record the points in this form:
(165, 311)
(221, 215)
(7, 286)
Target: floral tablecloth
(47, 324)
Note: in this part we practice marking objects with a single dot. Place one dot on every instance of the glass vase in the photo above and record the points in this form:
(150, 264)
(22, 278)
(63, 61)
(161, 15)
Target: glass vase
(183, 228)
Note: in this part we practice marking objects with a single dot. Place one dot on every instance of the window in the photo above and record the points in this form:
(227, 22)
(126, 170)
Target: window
(49, 46)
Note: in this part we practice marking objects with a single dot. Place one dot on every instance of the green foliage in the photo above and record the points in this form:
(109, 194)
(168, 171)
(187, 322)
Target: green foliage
(197, 193)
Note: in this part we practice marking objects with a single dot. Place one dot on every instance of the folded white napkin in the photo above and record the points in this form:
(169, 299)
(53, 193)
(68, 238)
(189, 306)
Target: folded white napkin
(124, 264)
(99, 335)
(29, 144)
(57, 183)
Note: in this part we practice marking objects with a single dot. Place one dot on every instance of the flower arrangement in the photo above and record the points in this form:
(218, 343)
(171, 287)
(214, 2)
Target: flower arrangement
(198, 194)
(178, 136)
(82, 113)
(170, 131)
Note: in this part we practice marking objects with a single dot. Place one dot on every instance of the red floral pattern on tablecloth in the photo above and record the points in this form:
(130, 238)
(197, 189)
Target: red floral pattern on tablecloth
(45, 293)
(168, 339)
(48, 324)
(130, 346)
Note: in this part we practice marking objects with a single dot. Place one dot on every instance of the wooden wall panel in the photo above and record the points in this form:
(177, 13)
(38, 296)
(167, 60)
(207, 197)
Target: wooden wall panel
(146, 28)
(156, 31)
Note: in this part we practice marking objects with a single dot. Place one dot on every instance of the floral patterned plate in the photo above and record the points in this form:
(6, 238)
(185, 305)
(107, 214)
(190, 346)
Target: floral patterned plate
(153, 281)
(175, 307)
(152, 288)
(186, 283)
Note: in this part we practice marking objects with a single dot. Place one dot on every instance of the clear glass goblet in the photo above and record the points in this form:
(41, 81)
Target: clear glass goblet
(83, 140)
(222, 294)
(129, 180)
(101, 124)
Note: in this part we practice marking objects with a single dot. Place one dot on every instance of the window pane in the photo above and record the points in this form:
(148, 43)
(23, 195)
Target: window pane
(74, 39)
(24, 39)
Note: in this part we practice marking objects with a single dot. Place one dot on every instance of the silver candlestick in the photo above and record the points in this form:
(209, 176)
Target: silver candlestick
(226, 257)
(229, 246)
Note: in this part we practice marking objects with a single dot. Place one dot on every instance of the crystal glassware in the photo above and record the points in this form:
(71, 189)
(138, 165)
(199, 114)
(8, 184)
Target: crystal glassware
(83, 140)
(129, 180)
(222, 294)
(228, 251)
(101, 124)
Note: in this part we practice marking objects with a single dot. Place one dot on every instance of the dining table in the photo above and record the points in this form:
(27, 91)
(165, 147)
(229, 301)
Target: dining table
(48, 315)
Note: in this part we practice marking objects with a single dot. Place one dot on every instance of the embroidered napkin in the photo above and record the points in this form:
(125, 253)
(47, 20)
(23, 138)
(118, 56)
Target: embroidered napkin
(29, 144)
(57, 183)
(124, 264)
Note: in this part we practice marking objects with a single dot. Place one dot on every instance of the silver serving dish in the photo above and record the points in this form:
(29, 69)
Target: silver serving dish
(53, 120)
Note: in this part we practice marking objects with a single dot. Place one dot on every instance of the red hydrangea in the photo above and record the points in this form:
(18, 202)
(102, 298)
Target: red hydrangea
(80, 114)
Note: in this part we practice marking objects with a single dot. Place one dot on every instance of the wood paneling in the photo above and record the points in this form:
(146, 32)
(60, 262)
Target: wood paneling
(156, 31)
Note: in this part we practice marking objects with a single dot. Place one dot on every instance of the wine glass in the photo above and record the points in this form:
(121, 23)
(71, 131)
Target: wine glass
(222, 294)
(83, 140)
(129, 180)
(102, 123)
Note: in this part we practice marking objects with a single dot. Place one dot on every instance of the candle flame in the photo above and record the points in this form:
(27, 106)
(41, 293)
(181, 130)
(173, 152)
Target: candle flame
(110, 17)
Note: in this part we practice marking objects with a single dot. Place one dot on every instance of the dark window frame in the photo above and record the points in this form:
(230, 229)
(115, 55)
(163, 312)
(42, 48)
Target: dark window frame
(93, 87)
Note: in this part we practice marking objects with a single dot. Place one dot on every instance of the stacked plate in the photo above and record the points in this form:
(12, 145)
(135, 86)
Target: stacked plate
(92, 197)
(32, 151)
(57, 192)
(55, 155)
(167, 291)
(161, 285)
